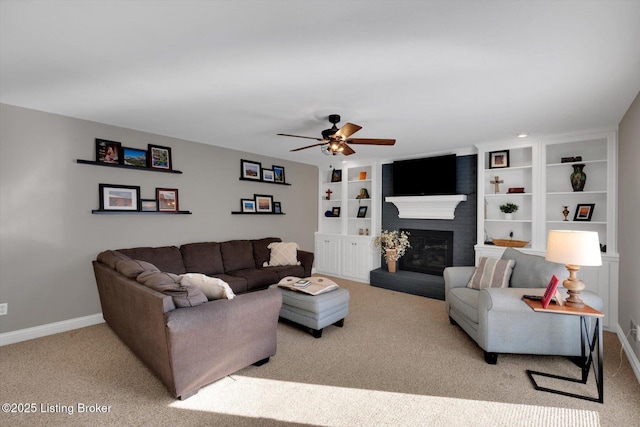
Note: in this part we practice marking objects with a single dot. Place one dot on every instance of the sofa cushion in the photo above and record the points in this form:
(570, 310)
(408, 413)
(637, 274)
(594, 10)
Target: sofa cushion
(282, 253)
(212, 287)
(532, 271)
(111, 257)
(257, 278)
(169, 284)
(261, 252)
(166, 258)
(237, 284)
(204, 257)
(491, 273)
(133, 267)
(287, 270)
(237, 255)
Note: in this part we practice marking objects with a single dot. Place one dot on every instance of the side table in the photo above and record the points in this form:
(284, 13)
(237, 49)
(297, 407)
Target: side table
(587, 341)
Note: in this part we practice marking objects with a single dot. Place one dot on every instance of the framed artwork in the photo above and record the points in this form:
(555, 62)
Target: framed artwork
(277, 207)
(278, 174)
(264, 203)
(584, 211)
(108, 151)
(119, 197)
(499, 159)
(362, 212)
(335, 211)
(248, 205)
(134, 157)
(336, 175)
(250, 170)
(159, 157)
(268, 175)
(149, 205)
(167, 199)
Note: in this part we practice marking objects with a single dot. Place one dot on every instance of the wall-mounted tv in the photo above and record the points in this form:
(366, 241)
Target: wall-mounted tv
(430, 176)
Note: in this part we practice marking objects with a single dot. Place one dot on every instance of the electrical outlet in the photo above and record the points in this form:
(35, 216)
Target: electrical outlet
(3, 308)
(635, 332)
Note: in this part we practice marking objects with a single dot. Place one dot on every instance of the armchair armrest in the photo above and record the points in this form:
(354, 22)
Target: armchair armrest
(306, 260)
(457, 277)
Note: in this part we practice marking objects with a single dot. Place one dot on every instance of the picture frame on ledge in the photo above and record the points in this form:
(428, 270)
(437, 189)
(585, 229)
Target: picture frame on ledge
(277, 207)
(268, 175)
(498, 159)
(134, 157)
(362, 212)
(108, 151)
(250, 170)
(264, 203)
(248, 205)
(278, 174)
(335, 211)
(167, 199)
(148, 205)
(159, 157)
(115, 197)
(584, 211)
(336, 175)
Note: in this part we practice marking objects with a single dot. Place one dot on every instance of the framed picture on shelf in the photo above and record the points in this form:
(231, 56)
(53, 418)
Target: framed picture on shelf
(167, 199)
(108, 151)
(584, 211)
(119, 197)
(159, 157)
(362, 212)
(278, 174)
(267, 175)
(264, 203)
(335, 211)
(134, 157)
(336, 175)
(250, 170)
(498, 159)
(149, 205)
(248, 205)
(277, 207)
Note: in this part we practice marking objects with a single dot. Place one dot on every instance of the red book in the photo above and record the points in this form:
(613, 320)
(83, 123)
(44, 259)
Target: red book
(550, 291)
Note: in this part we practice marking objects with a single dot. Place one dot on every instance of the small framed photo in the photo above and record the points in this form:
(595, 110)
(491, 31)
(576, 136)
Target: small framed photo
(167, 199)
(149, 205)
(362, 212)
(248, 205)
(335, 211)
(268, 175)
(119, 197)
(264, 203)
(499, 159)
(278, 174)
(584, 211)
(277, 207)
(134, 157)
(159, 157)
(336, 175)
(250, 170)
(108, 151)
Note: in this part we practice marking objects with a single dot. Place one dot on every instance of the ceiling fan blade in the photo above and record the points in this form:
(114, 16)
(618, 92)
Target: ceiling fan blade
(372, 141)
(298, 136)
(347, 130)
(308, 146)
(347, 151)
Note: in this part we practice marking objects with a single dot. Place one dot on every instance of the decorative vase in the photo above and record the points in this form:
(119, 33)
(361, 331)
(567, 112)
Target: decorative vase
(391, 262)
(565, 212)
(578, 177)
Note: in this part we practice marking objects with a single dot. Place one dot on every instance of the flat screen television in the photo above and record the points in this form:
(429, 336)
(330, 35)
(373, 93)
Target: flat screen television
(430, 176)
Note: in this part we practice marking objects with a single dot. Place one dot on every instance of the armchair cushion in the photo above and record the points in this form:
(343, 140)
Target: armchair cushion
(492, 273)
(532, 271)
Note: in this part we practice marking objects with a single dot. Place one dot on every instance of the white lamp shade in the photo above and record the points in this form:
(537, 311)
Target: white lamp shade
(573, 247)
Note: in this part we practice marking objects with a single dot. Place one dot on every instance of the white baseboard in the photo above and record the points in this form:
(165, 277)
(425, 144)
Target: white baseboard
(631, 355)
(49, 329)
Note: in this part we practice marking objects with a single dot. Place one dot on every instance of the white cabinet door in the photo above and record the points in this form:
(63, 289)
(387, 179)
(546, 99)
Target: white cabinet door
(327, 254)
(356, 258)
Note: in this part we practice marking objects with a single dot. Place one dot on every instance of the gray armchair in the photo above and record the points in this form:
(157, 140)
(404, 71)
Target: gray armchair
(500, 322)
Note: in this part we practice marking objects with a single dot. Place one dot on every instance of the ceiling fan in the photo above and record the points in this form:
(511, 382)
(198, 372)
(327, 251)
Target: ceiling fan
(335, 140)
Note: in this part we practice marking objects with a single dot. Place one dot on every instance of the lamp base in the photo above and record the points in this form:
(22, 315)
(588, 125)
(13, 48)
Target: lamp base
(574, 287)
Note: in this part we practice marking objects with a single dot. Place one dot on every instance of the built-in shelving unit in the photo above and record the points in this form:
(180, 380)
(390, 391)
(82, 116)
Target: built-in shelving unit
(118, 165)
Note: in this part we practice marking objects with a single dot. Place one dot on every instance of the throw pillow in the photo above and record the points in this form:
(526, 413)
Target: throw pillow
(282, 253)
(492, 273)
(212, 287)
(169, 284)
(133, 267)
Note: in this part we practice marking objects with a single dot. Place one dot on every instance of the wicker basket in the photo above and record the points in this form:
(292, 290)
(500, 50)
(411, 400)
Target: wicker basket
(510, 243)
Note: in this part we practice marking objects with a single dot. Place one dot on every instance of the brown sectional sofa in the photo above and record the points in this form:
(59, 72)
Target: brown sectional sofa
(187, 341)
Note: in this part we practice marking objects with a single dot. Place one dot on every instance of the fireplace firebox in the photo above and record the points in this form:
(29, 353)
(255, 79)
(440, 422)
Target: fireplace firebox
(430, 253)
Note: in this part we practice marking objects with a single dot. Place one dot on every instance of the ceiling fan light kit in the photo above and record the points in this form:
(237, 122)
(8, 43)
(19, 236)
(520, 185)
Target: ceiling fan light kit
(335, 140)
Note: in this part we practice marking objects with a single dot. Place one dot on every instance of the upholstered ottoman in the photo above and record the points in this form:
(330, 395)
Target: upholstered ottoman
(317, 311)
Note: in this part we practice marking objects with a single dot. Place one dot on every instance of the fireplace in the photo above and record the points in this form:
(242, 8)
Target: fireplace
(430, 253)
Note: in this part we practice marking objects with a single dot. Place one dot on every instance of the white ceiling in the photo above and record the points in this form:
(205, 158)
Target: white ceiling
(435, 75)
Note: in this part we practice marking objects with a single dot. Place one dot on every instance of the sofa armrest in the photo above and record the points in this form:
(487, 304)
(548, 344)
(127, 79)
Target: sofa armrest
(306, 260)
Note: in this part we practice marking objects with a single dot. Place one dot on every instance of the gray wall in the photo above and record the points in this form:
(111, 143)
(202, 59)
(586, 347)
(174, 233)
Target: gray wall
(628, 227)
(48, 236)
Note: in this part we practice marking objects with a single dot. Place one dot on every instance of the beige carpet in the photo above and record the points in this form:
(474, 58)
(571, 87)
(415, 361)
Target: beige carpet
(397, 361)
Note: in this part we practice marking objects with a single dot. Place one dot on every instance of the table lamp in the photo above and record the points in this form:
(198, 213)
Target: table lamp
(574, 249)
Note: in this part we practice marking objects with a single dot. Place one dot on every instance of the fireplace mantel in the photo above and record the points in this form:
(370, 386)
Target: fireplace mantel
(427, 207)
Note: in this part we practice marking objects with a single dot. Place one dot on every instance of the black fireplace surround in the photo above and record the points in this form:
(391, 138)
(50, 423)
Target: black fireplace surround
(431, 251)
